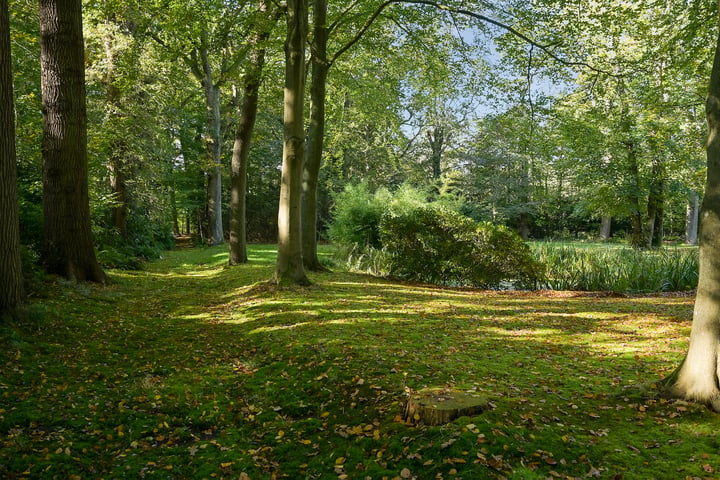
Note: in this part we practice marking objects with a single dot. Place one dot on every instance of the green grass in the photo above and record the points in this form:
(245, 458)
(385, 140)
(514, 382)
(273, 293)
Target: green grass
(191, 369)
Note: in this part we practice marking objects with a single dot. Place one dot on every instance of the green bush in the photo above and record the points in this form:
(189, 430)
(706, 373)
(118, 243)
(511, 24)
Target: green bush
(357, 214)
(432, 243)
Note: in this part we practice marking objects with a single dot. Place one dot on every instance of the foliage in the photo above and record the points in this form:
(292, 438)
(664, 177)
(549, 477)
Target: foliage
(621, 270)
(356, 216)
(372, 261)
(435, 244)
(159, 376)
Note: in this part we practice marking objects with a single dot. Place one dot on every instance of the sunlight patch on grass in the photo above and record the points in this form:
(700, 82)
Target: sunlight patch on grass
(196, 316)
(280, 327)
(220, 374)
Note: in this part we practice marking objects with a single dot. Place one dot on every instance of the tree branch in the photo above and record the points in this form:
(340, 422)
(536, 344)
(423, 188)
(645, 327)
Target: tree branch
(545, 48)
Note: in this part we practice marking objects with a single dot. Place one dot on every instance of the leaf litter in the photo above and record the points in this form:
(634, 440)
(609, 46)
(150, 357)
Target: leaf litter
(222, 376)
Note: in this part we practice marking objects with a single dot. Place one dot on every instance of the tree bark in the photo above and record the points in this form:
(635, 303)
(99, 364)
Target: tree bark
(436, 139)
(116, 162)
(11, 278)
(698, 376)
(605, 228)
(241, 147)
(315, 135)
(213, 141)
(290, 269)
(68, 239)
(655, 204)
(118, 186)
(637, 239)
(692, 217)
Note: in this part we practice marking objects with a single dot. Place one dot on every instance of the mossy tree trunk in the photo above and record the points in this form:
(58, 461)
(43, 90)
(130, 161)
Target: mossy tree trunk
(698, 377)
(290, 269)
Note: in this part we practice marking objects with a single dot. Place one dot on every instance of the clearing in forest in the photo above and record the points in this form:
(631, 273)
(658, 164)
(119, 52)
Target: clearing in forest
(192, 369)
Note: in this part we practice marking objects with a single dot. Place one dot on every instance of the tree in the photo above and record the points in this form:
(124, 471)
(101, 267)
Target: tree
(11, 279)
(320, 65)
(243, 137)
(698, 377)
(203, 35)
(69, 250)
(290, 268)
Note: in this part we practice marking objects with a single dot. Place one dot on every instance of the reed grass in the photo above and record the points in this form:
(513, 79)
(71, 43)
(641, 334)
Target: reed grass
(622, 270)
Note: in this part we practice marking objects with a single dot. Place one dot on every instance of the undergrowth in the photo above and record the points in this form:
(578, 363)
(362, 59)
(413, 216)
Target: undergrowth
(193, 369)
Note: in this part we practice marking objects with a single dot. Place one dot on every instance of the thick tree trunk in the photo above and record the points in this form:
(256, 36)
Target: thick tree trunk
(241, 148)
(11, 279)
(290, 268)
(68, 240)
(315, 135)
(697, 378)
(692, 219)
(605, 228)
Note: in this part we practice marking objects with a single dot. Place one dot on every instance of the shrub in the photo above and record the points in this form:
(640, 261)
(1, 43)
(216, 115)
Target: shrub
(435, 244)
(357, 214)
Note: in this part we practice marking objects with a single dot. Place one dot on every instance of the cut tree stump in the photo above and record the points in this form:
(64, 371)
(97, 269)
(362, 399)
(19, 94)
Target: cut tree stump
(438, 406)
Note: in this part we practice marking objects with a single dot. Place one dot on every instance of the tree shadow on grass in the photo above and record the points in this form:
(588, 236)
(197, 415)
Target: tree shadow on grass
(288, 380)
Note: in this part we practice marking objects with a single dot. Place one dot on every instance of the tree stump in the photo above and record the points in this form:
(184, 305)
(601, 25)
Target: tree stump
(438, 406)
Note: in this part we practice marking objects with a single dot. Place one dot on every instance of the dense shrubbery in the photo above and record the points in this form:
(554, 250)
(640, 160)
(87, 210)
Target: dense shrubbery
(405, 236)
(357, 216)
(427, 241)
(435, 244)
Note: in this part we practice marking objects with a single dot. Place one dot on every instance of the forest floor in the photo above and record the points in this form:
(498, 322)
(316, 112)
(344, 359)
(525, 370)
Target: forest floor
(193, 369)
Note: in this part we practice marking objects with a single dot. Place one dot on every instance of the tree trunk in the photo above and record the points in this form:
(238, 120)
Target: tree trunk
(659, 235)
(692, 214)
(605, 228)
(655, 204)
(118, 186)
(11, 279)
(68, 239)
(637, 239)
(439, 406)
(241, 148)
(436, 139)
(213, 141)
(290, 268)
(174, 211)
(214, 173)
(116, 163)
(315, 135)
(698, 376)
(524, 226)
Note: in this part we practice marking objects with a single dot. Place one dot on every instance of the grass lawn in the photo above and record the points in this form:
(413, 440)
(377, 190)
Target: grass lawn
(191, 369)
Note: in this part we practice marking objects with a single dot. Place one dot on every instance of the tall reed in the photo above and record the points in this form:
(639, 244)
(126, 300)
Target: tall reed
(622, 270)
